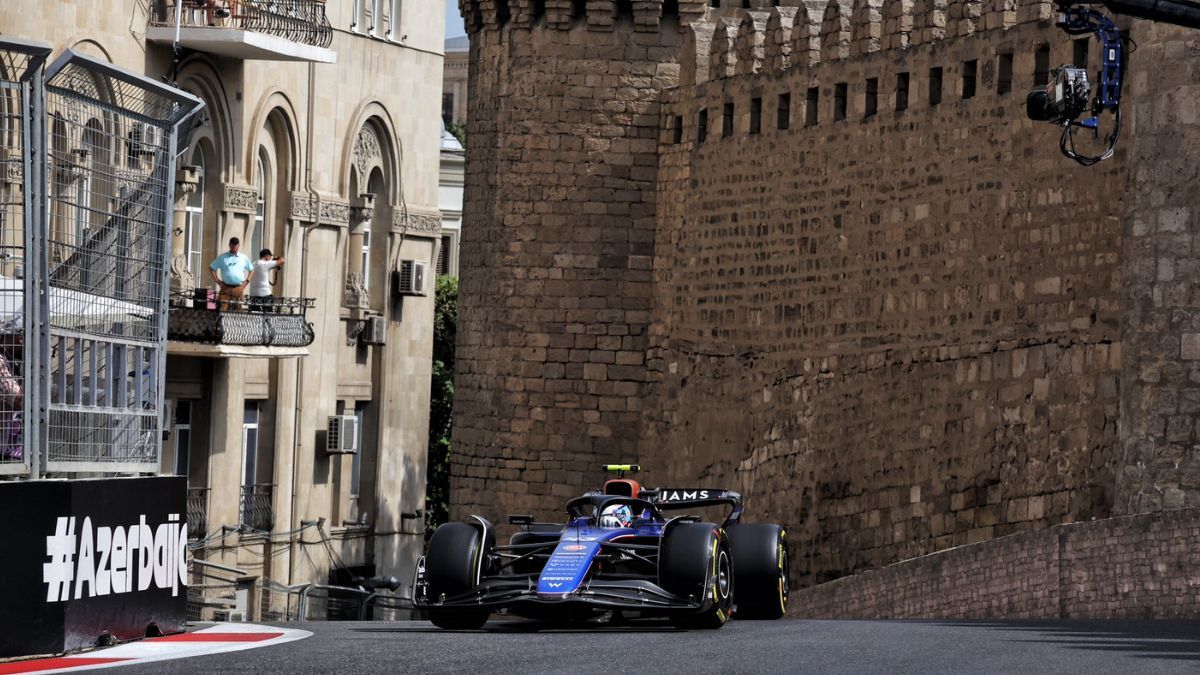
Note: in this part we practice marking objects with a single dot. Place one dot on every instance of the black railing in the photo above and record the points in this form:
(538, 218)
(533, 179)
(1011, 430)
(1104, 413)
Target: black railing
(302, 21)
(197, 512)
(200, 316)
(256, 511)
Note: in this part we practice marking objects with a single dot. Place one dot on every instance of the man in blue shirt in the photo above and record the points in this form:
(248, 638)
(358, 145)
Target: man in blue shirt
(231, 270)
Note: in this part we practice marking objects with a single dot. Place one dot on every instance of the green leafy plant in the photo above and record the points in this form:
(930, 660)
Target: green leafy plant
(441, 405)
(459, 131)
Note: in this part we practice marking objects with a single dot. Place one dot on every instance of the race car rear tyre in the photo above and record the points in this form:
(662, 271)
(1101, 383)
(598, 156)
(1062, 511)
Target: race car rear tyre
(696, 563)
(760, 563)
(454, 563)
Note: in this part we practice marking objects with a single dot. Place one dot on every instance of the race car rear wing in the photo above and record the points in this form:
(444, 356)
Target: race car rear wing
(676, 499)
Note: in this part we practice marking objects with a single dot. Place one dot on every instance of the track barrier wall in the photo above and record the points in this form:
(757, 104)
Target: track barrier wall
(1140, 566)
(90, 558)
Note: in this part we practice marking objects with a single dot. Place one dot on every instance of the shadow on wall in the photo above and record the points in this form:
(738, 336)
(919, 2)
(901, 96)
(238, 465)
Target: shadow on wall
(1159, 639)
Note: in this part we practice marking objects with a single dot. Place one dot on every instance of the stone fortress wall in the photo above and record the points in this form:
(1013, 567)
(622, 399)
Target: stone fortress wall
(895, 326)
(898, 331)
(555, 296)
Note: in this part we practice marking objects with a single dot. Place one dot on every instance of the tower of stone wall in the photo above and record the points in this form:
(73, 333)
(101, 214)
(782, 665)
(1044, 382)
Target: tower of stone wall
(1160, 403)
(555, 296)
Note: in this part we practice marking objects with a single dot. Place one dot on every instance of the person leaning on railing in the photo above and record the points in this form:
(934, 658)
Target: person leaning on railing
(261, 298)
(231, 271)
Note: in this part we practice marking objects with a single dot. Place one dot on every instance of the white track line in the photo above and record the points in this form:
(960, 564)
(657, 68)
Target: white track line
(170, 648)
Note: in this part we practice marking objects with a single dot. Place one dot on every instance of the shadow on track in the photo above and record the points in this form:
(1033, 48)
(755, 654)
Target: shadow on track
(523, 627)
(1157, 639)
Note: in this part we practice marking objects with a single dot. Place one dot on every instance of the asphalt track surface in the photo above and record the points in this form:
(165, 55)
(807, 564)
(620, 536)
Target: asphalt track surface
(788, 646)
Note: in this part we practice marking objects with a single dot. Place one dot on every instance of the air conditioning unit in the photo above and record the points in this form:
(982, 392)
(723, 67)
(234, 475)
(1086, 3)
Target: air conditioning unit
(145, 139)
(410, 278)
(374, 331)
(342, 435)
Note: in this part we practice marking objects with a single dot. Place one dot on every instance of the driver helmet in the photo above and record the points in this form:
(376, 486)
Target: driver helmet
(617, 515)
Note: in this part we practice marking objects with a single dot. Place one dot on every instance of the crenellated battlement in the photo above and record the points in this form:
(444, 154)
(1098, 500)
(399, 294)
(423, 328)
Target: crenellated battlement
(644, 16)
(720, 42)
(811, 32)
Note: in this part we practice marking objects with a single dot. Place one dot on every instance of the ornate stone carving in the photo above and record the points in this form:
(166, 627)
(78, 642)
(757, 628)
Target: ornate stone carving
(68, 167)
(356, 291)
(240, 199)
(129, 180)
(187, 177)
(335, 213)
(366, 152)
(332, 212)
(185, 187)
(181, 277)
(14, 172)
(416, 223)
(66, 172)
(360, 216)
(302, 207)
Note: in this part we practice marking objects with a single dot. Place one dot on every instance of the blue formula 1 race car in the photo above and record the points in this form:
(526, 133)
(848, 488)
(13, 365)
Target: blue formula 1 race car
(618, 554)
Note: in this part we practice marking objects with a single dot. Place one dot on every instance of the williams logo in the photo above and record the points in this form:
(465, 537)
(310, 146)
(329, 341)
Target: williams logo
(91, 562)
(671, 495)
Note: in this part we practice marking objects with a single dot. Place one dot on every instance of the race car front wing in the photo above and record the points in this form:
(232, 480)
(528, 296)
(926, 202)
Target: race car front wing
(507, 591)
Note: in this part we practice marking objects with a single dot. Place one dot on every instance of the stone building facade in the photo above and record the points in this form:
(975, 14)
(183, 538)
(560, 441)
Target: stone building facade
(817, 253)
(319, 142)
(454, 80)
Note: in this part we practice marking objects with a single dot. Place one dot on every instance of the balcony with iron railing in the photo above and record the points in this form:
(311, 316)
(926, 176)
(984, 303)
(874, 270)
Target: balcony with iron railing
(197, 512)
(267, 30)
(200, 324)
(255, 511)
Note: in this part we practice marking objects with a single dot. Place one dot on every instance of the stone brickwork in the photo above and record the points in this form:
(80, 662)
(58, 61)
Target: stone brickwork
(1160, 406)
(868, 293)
(874, 327)
(555, 294)
(1128, 567)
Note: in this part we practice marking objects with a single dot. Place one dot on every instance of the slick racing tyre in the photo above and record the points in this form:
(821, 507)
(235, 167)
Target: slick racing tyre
(696, 563)
(453, 565)
(760, 564)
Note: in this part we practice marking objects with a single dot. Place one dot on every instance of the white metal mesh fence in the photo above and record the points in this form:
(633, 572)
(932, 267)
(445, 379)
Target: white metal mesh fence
(20, 79)
(84, 240)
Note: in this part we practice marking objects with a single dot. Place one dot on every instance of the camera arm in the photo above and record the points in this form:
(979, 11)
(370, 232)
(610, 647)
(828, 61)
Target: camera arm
(1064, 100)
(1078, 20)
(1175, 12)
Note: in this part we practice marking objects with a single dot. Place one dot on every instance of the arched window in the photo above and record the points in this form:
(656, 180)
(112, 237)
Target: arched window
(194, 230)
(366, 258)
(376, 187)
(86, 202)
(265, 194)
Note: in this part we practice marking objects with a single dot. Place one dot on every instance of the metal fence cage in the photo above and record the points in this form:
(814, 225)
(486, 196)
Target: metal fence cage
(90, 288)
(20, 96)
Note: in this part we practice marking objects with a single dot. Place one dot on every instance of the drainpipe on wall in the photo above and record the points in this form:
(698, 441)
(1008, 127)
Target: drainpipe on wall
(298, 414)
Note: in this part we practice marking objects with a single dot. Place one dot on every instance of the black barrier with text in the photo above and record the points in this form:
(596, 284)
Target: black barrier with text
(85, 558)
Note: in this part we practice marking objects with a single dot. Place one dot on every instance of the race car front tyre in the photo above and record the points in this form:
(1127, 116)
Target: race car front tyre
(696, 563)
(760, 563)
(458, 619)
(454, 563)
